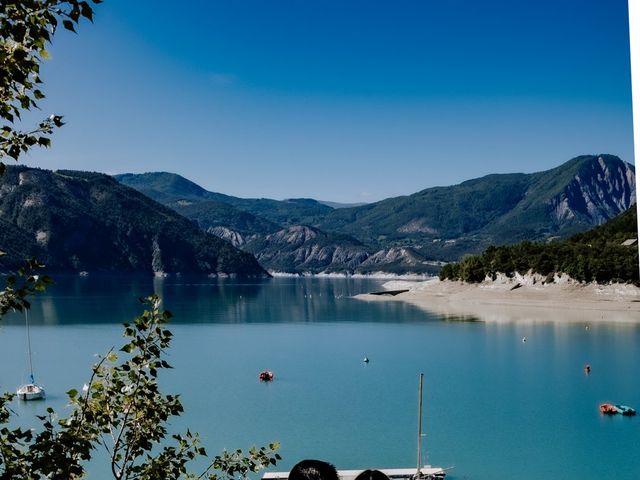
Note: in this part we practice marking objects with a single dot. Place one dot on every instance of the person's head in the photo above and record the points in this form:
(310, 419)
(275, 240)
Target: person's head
(371, 475)
(313, 470)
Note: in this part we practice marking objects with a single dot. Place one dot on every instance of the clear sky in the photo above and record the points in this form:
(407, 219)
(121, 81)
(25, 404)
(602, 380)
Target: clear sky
(341, 100)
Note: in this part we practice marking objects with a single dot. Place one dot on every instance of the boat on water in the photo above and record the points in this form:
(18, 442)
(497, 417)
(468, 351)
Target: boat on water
(31, 390)
(608, 409)
(625, 410)
(420, 472)
(424, 472)
(265, 376)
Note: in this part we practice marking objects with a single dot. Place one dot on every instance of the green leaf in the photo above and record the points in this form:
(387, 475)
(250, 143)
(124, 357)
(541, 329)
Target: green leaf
(68, 24)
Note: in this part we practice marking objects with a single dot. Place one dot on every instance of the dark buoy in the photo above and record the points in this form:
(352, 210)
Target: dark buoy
(365, 359)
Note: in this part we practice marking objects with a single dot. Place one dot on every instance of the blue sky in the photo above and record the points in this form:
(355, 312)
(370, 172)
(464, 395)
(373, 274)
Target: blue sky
(339, 100)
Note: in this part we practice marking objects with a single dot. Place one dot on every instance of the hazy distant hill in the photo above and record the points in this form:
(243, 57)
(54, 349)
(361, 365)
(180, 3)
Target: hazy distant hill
(225, 221)
(76, 221)
(174, 190)
(251, 224)
(341, 205)
(408, 233)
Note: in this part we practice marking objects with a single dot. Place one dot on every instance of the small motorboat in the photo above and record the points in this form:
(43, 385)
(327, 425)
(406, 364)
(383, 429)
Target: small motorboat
(608, 409)
(30, 391)
(266, 376)
(625, 410)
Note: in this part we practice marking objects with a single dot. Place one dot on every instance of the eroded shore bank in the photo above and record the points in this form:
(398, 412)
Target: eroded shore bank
(524, 298)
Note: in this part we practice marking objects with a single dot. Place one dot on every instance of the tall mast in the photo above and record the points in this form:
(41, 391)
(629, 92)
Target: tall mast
(26, 319)
(420, 426)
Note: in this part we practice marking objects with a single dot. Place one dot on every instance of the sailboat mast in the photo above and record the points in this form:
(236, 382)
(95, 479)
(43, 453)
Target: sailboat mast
(420, 426)
(26, 319)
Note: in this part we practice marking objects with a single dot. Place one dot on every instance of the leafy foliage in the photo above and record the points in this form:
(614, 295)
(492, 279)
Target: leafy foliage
(122, 411)
(26, 26)
(597, 255)
(20, 285)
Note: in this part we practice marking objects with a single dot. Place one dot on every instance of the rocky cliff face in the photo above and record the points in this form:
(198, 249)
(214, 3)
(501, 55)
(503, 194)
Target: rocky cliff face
(305, 249)
(234, 238)
(599, 191)
(74, 221)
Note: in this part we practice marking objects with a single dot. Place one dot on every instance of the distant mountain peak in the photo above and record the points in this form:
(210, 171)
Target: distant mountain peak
(602, 188)
(170, 183)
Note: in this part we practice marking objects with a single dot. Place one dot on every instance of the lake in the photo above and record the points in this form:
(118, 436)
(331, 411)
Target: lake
(495, 407)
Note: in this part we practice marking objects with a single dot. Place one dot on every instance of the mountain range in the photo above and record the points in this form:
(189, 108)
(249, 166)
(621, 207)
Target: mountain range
(82, 221)
(161, 222)
(413, 233)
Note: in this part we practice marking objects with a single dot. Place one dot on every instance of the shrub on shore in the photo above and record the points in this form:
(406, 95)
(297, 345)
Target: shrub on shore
(594, 256)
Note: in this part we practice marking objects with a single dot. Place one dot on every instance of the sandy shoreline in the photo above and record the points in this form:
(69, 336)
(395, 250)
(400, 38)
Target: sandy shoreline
(564, 300)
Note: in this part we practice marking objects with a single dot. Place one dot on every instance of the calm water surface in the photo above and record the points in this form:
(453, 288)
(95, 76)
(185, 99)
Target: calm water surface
(495, 407)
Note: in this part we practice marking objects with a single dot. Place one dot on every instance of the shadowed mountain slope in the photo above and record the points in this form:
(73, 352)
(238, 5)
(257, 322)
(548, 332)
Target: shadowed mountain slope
(74, 221)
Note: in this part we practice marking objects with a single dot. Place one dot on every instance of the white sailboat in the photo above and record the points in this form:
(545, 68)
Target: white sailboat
(31, 390)
(425, 472)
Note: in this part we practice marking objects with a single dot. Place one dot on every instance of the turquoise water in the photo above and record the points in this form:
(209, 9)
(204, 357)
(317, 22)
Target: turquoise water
(495, 407)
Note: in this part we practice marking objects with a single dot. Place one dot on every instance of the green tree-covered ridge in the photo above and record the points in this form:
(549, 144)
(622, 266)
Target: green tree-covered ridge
(597, 255)
(408, 233)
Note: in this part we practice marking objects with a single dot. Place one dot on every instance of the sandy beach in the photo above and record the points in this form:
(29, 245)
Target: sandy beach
(498, 301)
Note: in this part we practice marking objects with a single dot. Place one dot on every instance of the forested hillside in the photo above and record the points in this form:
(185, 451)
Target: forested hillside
(412, 233)
(75, 221)
(597, 255)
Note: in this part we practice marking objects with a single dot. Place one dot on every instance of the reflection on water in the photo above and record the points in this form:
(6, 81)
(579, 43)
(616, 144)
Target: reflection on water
(496, 407)
(115, 299)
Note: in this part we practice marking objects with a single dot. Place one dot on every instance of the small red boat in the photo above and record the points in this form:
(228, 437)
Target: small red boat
(608, 409)
(266, 376)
